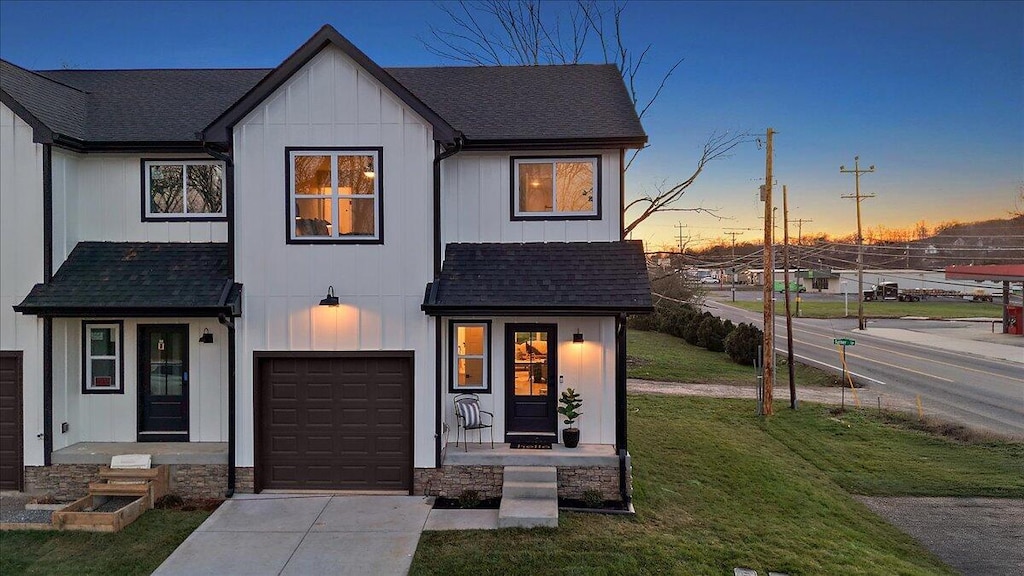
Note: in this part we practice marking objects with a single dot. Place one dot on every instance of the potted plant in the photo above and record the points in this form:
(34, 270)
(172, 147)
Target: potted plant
(570, 404)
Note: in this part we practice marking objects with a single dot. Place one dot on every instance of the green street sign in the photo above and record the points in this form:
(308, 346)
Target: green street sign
(844, 341)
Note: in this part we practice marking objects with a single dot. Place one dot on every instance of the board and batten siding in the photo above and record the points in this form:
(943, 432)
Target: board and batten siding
(476, 196)
(98, 197)
(589, 368)
(332, 102)
(114, 417)
(21, 265)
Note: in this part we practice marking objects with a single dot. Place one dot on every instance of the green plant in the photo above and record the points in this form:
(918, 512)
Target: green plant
(593, 499)
(570, 401)
(469, 499)
(741, 345)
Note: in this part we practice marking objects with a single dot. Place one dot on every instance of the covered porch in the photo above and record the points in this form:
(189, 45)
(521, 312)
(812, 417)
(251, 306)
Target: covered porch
(558, 455)
(162, 452)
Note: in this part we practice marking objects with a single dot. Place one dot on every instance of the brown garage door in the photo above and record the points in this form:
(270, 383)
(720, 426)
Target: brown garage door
(10, 421)
(334, 422)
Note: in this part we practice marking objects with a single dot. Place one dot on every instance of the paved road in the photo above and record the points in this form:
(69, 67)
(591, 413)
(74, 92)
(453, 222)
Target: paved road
(969, 389)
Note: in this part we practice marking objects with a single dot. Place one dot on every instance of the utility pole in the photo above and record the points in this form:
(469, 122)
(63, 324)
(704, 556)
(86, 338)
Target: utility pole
(769, 308)
(734, 235)
(789, 314)
(857, 171)
(679, 235)
(799, 241)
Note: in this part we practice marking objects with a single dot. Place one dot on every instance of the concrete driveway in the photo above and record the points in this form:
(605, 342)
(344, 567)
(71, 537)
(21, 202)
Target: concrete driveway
(289, 534)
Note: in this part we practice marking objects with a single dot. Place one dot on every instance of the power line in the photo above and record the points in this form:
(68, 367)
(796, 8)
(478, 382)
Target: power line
(857, 171)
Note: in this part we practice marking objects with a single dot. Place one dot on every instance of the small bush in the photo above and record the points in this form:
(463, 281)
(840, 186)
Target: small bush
(690, 330)
(469, 499)
(169, 502)
(593, 499)
(741, 345)
(711, 334)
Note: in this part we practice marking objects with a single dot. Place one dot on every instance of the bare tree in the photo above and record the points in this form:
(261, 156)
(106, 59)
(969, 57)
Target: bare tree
(516, 32)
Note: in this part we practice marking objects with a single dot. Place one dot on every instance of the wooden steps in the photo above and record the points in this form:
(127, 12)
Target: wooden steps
(143, 486)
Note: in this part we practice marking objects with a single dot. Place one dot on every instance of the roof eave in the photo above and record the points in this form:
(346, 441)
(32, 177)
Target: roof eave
(628, 142)
(512, 310)
(41, 133)
(219, 130)
(125, 312)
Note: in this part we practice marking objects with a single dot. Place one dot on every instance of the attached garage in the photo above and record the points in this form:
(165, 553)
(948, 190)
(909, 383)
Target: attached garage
(334, 421)
(11, 444)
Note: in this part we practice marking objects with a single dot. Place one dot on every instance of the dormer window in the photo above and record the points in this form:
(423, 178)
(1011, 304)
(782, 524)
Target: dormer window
(556, 188)
(334, 195)
(183, 190)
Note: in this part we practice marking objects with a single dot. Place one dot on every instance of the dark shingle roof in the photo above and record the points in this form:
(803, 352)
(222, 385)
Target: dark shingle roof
(579, 101)
(595, 277)
(487, 104)
(138, 278)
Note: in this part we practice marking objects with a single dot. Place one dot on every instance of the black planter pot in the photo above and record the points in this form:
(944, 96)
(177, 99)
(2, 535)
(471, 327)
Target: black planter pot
(571, 437)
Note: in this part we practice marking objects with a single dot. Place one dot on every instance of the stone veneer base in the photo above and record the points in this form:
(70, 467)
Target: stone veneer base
(573, 481)
(71, 481)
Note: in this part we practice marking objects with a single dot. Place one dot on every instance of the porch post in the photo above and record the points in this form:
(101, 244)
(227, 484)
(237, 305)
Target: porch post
(620, 382)
(47, 389)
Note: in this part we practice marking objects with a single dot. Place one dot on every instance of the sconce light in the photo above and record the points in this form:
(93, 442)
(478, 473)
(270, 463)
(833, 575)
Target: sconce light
(206, 337)
(577, 337)
(330, 299)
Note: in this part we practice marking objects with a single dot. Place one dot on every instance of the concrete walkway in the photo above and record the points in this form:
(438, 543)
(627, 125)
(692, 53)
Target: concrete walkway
(307, 535)
(977, 536)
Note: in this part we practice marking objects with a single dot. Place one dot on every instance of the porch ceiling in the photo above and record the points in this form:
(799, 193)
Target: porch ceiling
(503, 455)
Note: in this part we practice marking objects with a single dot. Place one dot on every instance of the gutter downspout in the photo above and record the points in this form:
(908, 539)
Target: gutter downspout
(439, 155)
(620, 406)
(47, 320)
(229, 190)
(230, 325)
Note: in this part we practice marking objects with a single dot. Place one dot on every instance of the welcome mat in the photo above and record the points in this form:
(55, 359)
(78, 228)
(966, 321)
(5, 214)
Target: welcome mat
(530, 446)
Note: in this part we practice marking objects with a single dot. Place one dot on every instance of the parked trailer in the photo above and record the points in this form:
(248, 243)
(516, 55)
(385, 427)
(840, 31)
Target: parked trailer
(889, 291)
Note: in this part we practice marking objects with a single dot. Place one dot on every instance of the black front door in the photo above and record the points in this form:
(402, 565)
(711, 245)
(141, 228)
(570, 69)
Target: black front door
(163, 383)
(531, 382)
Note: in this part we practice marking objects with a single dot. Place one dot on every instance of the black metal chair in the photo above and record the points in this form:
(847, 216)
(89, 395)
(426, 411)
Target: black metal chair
(469, 416)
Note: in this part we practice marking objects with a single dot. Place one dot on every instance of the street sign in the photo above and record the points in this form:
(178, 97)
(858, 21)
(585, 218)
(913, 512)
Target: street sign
(844, 341)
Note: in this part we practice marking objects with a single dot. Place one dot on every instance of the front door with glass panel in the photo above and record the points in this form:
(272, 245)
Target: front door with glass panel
(531, 381)
(163, 383)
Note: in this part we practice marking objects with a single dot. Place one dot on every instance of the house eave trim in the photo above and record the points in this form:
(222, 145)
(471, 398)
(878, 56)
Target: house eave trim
(554, 144)
(133, 312)
(41, 133)
(436, 310)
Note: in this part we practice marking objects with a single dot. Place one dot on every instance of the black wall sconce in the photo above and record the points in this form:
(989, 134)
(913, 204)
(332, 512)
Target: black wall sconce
(577, 337)
(206, 337)
(330, 299)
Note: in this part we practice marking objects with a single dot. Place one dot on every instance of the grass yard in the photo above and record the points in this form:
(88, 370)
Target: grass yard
(942, 310)
(138, 549)
(657, 356)
(716, 487)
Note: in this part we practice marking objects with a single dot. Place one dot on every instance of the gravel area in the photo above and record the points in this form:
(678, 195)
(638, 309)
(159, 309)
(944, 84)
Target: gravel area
(26, 516)
(115, 503)
(14, 500)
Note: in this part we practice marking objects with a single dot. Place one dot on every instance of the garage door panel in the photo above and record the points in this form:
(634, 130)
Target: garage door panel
(11, 443)
(339, 423)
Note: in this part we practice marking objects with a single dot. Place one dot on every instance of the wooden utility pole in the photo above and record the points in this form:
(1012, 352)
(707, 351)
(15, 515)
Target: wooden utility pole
(857, 171)
(734, 235)
(768, 362)
(800, 243)
(679, 236)
(789, 314)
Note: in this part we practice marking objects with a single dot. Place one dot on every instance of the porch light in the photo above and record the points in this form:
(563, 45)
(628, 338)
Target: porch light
(330, 299)
(577, 337)
(206, 337)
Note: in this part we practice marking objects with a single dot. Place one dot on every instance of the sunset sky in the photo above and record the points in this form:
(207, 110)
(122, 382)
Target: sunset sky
(931, 93)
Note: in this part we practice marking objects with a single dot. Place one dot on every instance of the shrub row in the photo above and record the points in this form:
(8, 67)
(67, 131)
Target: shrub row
(703, 329)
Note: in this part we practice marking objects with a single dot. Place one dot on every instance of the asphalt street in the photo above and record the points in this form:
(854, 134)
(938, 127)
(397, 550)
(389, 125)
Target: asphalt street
(966, 388)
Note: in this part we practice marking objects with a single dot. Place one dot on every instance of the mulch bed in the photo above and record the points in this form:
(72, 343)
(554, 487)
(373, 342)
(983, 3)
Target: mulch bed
(580, 504)
(453, 504)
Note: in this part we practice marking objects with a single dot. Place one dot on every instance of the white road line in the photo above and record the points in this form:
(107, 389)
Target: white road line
(837, 368)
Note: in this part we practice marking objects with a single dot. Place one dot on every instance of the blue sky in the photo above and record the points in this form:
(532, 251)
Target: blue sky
(931, 93)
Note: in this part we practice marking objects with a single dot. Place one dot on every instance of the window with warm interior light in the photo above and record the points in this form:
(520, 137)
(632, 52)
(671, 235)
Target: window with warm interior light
(471, 370)
(334, 195)
(101, 358)
(183, 190)
(556, 188)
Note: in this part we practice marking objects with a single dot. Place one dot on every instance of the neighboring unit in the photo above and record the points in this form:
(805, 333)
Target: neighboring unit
(281, 279)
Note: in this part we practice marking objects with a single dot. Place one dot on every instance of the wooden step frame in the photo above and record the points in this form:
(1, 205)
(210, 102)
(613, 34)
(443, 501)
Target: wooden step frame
(77, 515)
(152, 482)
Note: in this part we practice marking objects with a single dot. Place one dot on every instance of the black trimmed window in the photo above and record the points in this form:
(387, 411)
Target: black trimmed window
(182, 190)
(556, 188)
(335, 195)
(102, 358)
(470, 356)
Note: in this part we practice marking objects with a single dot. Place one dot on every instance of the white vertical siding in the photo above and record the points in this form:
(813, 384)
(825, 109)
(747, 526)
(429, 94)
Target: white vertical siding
(333, 102)
(589, 368)
(21, 265)
(114, 417)
(476, 196)
(98, 197)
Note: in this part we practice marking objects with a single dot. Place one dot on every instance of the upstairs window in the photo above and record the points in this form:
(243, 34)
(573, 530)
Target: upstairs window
(556, 188)
(334, 196)
(183, 190)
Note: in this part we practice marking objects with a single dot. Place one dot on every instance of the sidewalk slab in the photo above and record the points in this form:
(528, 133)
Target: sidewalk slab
(972, 347)
(231, 553)
(462, 520)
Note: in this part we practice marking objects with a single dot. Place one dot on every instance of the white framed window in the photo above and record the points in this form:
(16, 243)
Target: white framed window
(102, 353)
(182, 190)
(335, 195)
(470, 358)
(556, 188)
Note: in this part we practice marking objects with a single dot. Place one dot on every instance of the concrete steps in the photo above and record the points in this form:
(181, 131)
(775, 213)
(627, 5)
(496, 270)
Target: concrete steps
(529, 497)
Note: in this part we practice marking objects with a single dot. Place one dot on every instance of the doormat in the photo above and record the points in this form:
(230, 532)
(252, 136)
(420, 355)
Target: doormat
(530, 446)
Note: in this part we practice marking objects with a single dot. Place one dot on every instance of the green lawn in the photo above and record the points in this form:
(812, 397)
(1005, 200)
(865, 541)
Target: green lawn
(717, 487)
(138, 549)
(814, 309)
(657, 356)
